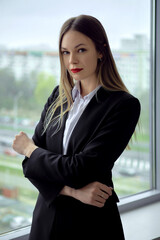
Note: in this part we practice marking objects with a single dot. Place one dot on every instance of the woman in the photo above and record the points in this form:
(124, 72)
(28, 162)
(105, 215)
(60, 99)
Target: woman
(86, 124)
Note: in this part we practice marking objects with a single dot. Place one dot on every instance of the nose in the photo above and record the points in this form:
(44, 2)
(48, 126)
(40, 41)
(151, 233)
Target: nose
(73, 58)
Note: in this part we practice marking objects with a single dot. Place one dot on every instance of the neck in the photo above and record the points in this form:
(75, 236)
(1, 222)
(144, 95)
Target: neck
(87, 87)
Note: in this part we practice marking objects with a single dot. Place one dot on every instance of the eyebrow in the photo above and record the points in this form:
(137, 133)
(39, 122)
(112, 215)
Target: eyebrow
(80, 44)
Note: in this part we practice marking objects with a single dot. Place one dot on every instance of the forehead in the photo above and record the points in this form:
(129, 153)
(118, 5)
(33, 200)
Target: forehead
(71, 39)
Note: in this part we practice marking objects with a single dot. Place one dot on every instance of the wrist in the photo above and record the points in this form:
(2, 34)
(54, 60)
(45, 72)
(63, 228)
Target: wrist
(68, 191)
(75, 193)
(29, 150)
(72, 192)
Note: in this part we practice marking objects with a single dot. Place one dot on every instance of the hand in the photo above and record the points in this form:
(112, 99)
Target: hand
(22, 144)
(94, 194)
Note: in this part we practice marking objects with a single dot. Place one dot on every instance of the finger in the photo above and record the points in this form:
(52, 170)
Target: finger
(22, 133)
(101, 199)
(103, 195)
(18, 135)
(106, 189)
(13, 143)
(98, 204)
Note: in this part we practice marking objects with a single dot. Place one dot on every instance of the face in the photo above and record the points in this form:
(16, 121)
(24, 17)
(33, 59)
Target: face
(80, 56)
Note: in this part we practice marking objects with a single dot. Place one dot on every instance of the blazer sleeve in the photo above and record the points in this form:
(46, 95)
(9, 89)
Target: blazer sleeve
(38, 138)
(97, 157)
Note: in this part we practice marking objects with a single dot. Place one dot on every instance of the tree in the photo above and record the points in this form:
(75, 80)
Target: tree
(8, 88)
(45, 85)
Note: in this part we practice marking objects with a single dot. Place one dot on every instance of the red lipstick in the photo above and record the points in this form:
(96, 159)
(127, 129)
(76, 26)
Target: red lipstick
(76, 70)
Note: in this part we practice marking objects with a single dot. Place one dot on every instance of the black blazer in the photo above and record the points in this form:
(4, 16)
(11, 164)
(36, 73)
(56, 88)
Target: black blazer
(98, 139)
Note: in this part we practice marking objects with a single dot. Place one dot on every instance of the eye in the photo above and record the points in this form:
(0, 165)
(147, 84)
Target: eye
(65, 52)
(81, 50)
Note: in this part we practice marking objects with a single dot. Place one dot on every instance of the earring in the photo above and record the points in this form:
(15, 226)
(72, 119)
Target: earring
(100, 59)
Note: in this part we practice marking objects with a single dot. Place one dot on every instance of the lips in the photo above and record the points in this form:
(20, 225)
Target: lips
(76, 70)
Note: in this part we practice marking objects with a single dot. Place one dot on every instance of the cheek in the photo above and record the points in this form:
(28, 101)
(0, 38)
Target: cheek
(91, 62)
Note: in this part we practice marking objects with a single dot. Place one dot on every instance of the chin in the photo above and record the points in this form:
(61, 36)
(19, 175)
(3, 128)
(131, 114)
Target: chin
(77, 78)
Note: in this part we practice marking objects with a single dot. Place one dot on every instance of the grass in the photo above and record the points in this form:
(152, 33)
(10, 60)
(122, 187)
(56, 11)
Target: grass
(25, 195)
(6, 165)
(28, 196)
(11, 170)
(10, 159)
(125, 186)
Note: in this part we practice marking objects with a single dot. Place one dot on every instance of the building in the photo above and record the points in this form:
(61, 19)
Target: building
(133, 62)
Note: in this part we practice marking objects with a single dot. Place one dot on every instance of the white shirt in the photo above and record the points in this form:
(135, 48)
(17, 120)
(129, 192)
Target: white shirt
(75, 112)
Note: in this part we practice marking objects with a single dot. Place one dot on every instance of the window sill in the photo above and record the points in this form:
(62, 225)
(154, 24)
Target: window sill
(138, 200)
(15, 234)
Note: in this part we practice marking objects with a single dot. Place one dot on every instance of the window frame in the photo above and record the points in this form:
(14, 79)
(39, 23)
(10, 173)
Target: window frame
(148, 197)
(153, 195)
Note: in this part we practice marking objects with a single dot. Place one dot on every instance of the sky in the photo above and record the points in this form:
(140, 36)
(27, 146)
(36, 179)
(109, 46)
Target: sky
(38, 22)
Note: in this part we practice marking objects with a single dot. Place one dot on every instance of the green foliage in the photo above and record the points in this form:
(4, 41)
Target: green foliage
(30, 92)
(44, 87)
(14, 92)
(8, 88)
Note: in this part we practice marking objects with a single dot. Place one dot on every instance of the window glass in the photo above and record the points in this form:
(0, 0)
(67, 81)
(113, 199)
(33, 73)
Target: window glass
(30, 69)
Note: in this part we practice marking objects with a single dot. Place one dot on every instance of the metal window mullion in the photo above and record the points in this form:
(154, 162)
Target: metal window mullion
(152, 110)
(157, 73)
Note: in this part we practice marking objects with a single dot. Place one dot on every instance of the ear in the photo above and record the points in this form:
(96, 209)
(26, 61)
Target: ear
(100, 55)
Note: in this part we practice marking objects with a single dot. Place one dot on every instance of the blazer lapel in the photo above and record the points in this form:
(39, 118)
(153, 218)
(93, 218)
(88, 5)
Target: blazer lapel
(89, 121)
(55, 140)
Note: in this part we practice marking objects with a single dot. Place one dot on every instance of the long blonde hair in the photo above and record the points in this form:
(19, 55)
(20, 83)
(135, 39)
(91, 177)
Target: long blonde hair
(107, 73)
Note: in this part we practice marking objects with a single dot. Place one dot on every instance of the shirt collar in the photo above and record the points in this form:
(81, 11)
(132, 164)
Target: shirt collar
(76, 92)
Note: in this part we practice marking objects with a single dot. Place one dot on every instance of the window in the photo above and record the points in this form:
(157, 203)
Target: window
(132, 170)
(29, 69)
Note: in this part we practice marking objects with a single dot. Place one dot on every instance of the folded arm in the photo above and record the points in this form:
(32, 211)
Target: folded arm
(98, 156)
